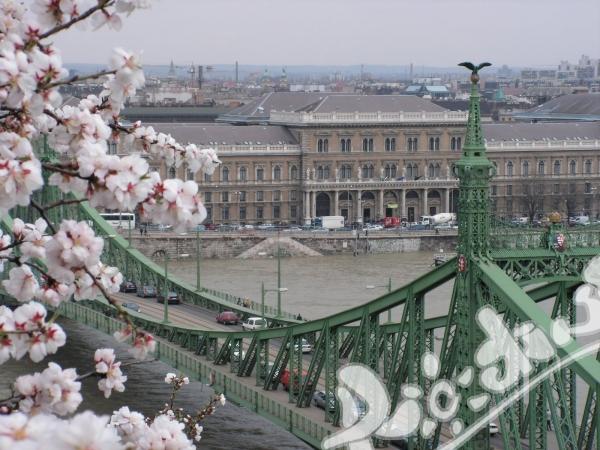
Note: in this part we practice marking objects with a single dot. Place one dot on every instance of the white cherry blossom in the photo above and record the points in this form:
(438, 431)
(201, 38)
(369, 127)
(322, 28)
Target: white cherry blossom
(21, 283)
(113, 377)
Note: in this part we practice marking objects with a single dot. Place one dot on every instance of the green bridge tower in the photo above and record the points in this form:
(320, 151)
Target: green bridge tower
(474, 171)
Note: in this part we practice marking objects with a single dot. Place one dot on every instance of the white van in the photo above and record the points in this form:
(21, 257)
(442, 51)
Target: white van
(581, 220)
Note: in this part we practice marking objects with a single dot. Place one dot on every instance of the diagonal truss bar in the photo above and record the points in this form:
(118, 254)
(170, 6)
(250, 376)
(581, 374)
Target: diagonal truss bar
(526, 309)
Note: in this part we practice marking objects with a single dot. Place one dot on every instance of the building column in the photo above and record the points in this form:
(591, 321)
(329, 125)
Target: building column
(313, 205)
(359, 215)
(336, 206)
(425, 209)
(305, 207)
(402, 203)
(380, 205)
(447, 200)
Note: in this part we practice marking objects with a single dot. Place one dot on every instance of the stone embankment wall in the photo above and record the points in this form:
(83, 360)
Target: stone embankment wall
(217, 245)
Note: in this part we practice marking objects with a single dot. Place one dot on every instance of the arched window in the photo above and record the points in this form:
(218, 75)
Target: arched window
(573, 167)
(367, 171)
(437, 143)
(326, 172)
(431, 144)
(190, 175)
(525, 171)
(412, 171)
(509, 169)
(208, 177)
(243, 174)
(320, 172)
(277, 173)
(346, 171)
(436, 170)
(541, 168)
(430, 171)
(172, 172)
(225, 174)
(260, 174)
(556, 168)
(453, 143)
(343, 145)
(588, 166)
(323, 145)
(390, 144)
(294, 173)
(368, 145)
(390, 171)
(346, 145)
(458, 143)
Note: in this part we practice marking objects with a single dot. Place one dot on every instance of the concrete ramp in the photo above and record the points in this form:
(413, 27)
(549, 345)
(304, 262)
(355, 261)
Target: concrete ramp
(288, 246)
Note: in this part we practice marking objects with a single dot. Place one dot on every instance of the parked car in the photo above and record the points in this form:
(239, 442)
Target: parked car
(306, 347)
(248, 227)
(374, 227)
(172, 298)
(293, 229)
(146, 291)
(133, 306)
(266, 369)
(494, 430)
(210, 226)
(200, 227)
(266, 227)
(228, 318)
(319, 399)
(128, 286)
(285, 380)
(254, 323)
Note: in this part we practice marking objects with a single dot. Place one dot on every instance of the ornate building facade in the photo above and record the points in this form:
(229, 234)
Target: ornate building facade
(370, 157)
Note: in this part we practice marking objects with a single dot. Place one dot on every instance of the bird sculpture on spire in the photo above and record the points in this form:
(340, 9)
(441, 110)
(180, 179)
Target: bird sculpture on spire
(474, 69)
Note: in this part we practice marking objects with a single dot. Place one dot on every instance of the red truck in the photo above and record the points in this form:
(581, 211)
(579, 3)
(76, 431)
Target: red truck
(391, 222)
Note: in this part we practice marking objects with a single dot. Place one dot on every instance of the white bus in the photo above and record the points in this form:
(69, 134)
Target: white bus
(120, 219)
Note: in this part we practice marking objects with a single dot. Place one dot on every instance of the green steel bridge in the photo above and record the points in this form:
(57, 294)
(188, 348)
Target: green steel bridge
(514, 270)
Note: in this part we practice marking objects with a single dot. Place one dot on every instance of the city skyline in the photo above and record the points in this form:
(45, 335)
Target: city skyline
(426, 33)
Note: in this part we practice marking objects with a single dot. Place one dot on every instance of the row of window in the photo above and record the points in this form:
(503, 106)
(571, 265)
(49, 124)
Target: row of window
(556, 205)
(389, 171)
(412, 144)
(557, 189)
(259, 174)
(259, 212)
(541, 168)
(241, 196)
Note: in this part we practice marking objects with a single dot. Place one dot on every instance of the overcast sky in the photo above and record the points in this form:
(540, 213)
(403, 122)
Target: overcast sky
(327, 32)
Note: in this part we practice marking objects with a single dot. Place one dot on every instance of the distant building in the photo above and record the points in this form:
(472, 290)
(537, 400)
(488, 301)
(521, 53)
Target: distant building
(572, 107)
(367, 157)
(431, 91)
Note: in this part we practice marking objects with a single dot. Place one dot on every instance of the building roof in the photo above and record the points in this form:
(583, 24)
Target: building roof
(439, 89)
(225, 134)
(584, 107)
(174, 113)
(259, 110)
(499, 132)
(372, 103)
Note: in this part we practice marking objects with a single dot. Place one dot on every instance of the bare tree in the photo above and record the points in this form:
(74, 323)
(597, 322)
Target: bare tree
(532, 200)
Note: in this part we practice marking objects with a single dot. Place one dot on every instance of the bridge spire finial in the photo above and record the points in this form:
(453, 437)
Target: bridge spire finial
(474, 145)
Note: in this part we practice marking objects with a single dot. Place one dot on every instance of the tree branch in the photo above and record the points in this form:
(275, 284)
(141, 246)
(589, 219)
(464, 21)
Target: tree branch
(101, 5)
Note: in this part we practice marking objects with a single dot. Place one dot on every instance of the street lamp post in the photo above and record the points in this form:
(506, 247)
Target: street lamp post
(278, 276)
(165, 254)
(198, 257)
(263, 293)
(389, 289)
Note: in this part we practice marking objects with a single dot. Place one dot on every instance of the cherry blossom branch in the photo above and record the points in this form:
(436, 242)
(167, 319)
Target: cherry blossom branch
(42, 212)
(64, 202)
(100, 6)
(76, 78)
(127, 364)
(59, 169)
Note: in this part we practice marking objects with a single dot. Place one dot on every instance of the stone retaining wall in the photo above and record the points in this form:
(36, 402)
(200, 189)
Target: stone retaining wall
(216, 245)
